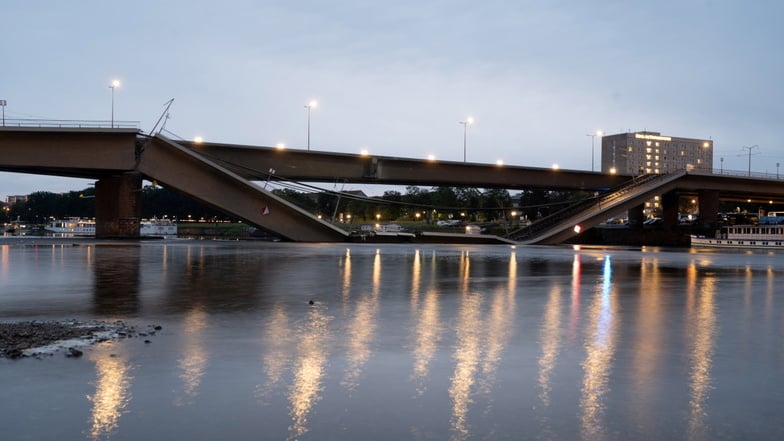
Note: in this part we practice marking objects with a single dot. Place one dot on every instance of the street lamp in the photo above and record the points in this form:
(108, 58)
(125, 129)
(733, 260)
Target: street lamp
(722, 165)
(2, 104)
(115, 84)
(777, 170)
(594, 135)
(750, 148)
(465, 124)
(311, 105)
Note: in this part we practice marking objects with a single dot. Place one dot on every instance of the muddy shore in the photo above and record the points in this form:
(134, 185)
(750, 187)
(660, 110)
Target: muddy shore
(38, 338)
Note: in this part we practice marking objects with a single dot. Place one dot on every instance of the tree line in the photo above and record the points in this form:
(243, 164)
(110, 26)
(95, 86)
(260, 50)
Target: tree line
(415, 204)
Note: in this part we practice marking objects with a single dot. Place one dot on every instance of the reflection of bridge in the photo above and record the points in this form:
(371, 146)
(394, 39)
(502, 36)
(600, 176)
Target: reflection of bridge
(221, 175)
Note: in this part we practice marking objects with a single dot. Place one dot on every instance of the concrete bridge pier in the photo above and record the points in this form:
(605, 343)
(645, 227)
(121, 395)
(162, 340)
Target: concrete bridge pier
(636, 216)
(708, 206)
(118, 206)
(669, 202)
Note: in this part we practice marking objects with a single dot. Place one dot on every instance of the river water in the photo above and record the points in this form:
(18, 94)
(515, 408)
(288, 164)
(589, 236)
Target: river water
(419, 342)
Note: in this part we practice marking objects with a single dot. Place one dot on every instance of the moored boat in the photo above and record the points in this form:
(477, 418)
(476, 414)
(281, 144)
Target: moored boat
(73, 226)
(158, 228)
(769, 233)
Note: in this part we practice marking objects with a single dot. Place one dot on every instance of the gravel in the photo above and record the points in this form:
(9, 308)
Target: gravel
(36, 338)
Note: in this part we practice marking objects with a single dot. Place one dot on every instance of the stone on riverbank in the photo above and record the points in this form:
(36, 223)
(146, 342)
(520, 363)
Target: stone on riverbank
(32, 338)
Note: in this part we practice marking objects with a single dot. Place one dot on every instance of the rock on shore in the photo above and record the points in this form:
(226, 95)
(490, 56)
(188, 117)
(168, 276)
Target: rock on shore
(33, 338)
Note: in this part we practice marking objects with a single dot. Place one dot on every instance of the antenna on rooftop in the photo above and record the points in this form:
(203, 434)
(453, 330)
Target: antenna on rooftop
(165, 114)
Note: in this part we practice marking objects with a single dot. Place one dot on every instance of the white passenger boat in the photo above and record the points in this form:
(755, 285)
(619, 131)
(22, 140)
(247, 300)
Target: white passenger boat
(73, 226)
(86, 227)
(158, 228)
(767, 234)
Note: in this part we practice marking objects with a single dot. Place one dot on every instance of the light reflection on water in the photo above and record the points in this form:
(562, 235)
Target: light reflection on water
(600, 350)
(427, 328)
(194, 358)
(702, 329)
(436, 342)
(362, 328)
(112, 390)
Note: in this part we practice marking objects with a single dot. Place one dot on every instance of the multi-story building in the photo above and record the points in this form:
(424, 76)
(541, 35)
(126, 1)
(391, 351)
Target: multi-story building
(11, 200)
(646, 152)
(651, 152)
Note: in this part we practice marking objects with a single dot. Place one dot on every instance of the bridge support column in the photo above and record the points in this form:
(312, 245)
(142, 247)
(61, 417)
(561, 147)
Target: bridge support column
(709, 207)
(636, 216)
(118, 206)
(669, 202)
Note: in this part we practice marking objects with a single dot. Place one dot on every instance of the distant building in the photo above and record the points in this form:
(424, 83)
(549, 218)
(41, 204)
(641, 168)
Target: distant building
(646, 152)
(11, 200)
(651, 152)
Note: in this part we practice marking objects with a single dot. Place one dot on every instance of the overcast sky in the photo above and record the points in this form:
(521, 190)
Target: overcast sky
(396, 78)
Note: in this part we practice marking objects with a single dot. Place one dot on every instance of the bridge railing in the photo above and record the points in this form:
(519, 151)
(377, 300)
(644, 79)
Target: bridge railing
(69, 123)
(750, 174)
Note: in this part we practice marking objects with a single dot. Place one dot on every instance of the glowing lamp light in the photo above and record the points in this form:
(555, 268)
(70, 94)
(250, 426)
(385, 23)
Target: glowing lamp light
(363, 152)
(555, 167)
(431, 157)
(577, 229)
(499, 162)
(613, 171)
(280, 146)
(198, 139)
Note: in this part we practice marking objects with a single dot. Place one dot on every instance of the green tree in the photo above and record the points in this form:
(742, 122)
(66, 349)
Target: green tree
(495, 203)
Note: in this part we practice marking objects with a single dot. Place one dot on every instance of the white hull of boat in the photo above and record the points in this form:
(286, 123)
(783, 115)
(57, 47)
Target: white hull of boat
(737, 243)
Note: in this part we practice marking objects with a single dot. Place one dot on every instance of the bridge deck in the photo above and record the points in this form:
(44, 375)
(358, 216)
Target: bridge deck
(221, 175)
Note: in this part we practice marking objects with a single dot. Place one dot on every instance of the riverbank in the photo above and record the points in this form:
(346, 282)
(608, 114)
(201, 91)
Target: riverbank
(38, 338)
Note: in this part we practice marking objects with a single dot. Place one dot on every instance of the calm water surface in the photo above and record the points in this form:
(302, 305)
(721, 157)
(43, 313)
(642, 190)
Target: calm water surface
(402, 342)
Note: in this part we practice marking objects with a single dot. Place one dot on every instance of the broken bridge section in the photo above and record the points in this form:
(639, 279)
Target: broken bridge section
(588, 213)
(180, 168)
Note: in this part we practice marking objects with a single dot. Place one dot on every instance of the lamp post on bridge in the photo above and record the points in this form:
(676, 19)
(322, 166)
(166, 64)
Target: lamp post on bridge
(468, 121)
(312, 104)
(598, 133)
(2, 104)
(115, 84)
